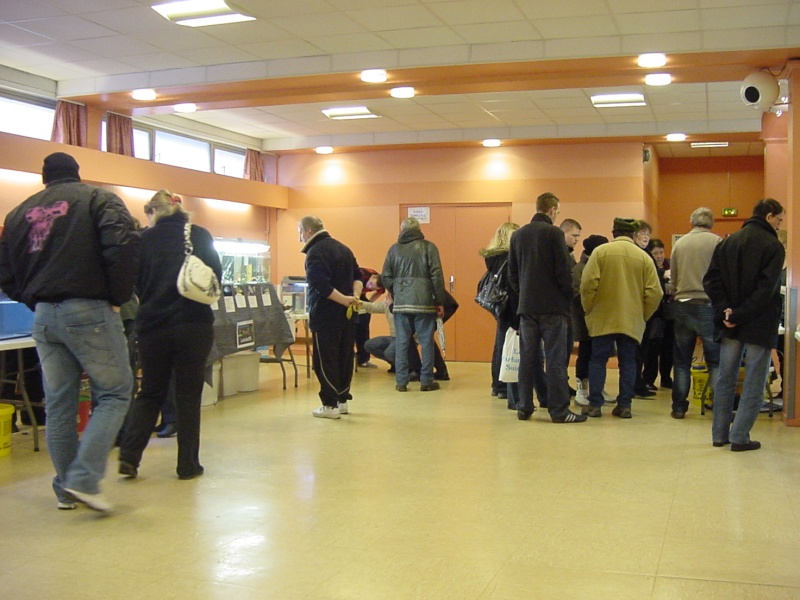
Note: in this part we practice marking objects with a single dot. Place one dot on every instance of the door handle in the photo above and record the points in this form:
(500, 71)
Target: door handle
(452, 283)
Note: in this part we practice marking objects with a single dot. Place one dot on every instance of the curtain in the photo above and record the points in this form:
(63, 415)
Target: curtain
(119, 134)
(69, 124)
(253, 165)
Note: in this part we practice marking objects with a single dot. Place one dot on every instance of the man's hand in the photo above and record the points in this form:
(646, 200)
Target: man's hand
(440, 312)
(727, 312)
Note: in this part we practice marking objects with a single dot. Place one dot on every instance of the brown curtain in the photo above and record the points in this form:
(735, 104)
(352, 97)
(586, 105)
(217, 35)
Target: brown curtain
(69, 124)
(253, 165)
(119, 134)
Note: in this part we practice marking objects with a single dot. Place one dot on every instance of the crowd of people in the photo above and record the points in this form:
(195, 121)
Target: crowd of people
(72, 253)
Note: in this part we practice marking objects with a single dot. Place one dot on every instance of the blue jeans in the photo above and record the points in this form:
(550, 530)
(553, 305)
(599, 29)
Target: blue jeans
(602, 349)
(550, 329)
(691, 321)
(753, 390)
(73, 337)
(406, 324)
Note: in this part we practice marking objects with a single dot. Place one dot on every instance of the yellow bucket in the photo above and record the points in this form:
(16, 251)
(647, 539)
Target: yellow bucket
(6, 418)
(699, 374)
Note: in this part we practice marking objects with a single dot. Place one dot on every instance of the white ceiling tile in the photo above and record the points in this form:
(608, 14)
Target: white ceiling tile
(319, 25)
(636, 6)
(546, 9)
(745, 38)
(351, 43)
(114, 46)
(299, 66)
(411, 56)
(270, 9)
(249, 32)
(487, 33)
(529, 50)
(395, 17)
(679, 21)
(427, 37)
(358, 61)
(29, 9)
(175, 77)
(158, 60)
(11, 35)
(577, 27)
(105, 67)
(138, 19)
(690, 41)
(65, 28)
(464, 12)
(237, 71)
(578, 47)
(282, 49)
(734, 18)
(217, 56)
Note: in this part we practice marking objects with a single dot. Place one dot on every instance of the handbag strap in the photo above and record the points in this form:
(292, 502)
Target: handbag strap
(188, 249)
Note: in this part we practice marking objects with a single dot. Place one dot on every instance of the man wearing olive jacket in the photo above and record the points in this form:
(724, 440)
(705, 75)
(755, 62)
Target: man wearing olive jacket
(620, 290)
(412, 273)
(743, 283)
(70, 253)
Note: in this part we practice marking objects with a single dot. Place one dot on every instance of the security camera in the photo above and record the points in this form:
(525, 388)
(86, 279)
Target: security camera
(760, 90)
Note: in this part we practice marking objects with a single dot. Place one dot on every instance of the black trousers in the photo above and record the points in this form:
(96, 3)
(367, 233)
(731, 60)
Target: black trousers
(362, 335)
(181, 349)
(333, 360)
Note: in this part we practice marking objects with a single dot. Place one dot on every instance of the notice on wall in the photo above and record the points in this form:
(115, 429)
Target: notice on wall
(420, 213)
(245, 334)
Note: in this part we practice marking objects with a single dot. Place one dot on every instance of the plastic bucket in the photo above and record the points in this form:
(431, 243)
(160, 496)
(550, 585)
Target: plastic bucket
(699, 380)
(6, 420)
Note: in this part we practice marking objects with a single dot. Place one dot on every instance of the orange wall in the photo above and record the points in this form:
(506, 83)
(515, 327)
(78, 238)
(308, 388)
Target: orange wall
(688, 183)
(358, 195)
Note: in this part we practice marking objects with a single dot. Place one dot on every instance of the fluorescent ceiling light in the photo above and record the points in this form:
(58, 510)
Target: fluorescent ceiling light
(491, 143)
(676, 137)
(349, 112)
(143, 94)
(199, 13)
(658, 79)
(617, 100)
(185, 107)
(652, 60)
(709, 144)
(374, 76)
(402, 92)
(324, 150)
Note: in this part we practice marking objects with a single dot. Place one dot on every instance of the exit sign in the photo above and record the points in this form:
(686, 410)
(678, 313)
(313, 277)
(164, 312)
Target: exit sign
(730, 212)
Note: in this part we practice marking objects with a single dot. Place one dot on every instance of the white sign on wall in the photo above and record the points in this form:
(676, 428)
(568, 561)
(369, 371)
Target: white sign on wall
(420, 213)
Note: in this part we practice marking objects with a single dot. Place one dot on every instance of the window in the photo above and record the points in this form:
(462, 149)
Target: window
(25, 118)
(182, 151)
(228, 162)
(142, 141)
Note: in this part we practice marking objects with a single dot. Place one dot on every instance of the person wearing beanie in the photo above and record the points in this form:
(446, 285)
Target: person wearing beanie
(619, 291)
(579, 323)
(70, 253)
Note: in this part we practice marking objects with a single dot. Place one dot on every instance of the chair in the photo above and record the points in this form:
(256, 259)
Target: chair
(277, 357)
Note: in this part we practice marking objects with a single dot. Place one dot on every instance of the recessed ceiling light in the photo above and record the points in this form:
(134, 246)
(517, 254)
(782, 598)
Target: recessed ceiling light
(676, 137)
(349, 112)
(199, 13)
(374, 76)
(652, 60)
(658, 79)
(185, 107)
(324, 150)
(491, 143)
(144, 94)
(618, 100)
(709, 144)
(402, 92)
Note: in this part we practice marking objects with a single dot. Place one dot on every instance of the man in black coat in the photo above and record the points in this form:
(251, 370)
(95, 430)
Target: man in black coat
(539, 271)
(743, 283)
(334, 284)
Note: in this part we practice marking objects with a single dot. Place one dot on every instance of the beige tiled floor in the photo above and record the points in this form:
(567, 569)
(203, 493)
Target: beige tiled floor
(441, 495)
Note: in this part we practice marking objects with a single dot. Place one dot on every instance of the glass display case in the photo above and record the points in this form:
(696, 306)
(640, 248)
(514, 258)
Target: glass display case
(243, 261)
(293, 294)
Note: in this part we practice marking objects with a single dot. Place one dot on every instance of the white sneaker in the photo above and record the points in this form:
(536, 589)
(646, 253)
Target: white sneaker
(67, 505)
(582, 393)
(96, 502)
(326, 412)
(343, 408)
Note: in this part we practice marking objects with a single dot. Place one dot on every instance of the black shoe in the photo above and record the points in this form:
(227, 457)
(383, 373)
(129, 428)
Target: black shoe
(523, 415)
(168, 431)
(541, 405)
(196, 473)
(592, 411)
(128, 470)
(720, 444)
(666, 383)
(401, 387)
(570, 417)
(652, 387)
(441, 376)
(677, 414)
(751, 445)
(429, 387)
(645, 393)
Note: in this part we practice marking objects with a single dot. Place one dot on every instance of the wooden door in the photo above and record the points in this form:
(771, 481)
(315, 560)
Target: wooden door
(459, 232)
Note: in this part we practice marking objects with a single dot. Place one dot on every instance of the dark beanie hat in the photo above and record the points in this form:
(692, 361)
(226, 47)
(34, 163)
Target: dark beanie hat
(592, 242)
(625, 225)
(59, 165)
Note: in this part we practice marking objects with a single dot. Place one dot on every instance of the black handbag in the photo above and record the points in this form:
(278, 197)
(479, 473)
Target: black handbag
(493, 291)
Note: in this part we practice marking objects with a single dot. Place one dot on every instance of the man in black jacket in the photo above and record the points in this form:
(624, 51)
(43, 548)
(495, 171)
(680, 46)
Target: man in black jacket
(743, 283)
(70, 253)
(334, 284)
(539, 271)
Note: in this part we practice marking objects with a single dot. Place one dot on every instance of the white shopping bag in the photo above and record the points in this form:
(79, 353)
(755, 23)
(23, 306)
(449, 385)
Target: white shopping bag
(509, 366)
